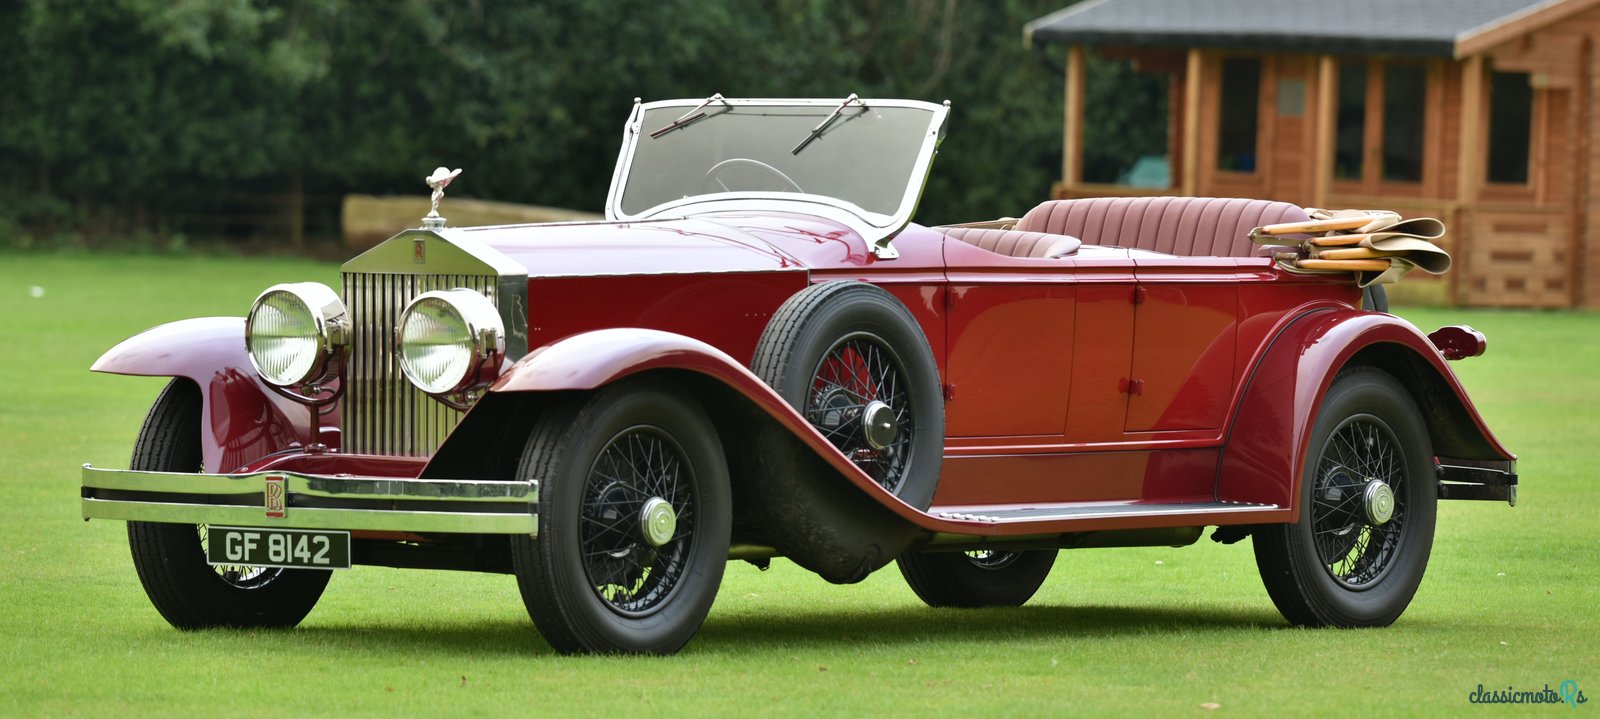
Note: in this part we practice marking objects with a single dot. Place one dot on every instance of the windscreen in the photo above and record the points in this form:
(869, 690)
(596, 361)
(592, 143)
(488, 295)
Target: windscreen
(863, 155)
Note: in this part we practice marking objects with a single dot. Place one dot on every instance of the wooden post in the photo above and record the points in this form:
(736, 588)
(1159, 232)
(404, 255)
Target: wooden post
(1586, 173)
(1433, 133)
(1469, 170)
(1072, 145)
(1191, 123)
(1326, 121)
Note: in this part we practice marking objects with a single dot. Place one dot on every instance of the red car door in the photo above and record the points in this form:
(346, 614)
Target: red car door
(1185, 340)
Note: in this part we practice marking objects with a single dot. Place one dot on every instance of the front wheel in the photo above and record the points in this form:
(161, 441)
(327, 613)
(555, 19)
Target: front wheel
(983, 578)
(171, 558)
(1367, 502)
(634, 521)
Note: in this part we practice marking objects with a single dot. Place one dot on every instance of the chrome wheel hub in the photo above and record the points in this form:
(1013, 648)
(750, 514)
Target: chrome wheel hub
(878, 425)
(657, 521)
(1378, 499)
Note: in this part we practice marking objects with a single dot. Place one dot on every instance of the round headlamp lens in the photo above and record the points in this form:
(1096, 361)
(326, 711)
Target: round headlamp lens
(288, 333)
(436, 349)
(450, 341)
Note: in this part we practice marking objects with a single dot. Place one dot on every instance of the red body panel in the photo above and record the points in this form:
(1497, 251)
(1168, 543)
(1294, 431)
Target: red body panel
(244, 419)
(730, 310)
(596, 249)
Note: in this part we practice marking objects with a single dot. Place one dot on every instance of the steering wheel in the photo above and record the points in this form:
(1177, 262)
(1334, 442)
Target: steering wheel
(714, 182)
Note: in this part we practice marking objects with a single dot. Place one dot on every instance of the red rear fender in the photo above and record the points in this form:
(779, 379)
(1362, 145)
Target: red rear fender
(245, 420)
(1266, 443)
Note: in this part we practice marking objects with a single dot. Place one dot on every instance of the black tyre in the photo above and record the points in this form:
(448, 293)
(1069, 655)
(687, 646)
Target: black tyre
(843, 353)
(985, 578)
(1368, 497)
(170, 558)
(606, 573)
(1375, 298)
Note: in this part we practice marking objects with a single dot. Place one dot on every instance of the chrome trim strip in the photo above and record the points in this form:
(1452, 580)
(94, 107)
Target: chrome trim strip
(231, 499)
(1026, 515)
(313, 518)
(314, 485)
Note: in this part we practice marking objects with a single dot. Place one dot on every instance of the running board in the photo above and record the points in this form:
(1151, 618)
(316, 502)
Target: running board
(1049, 513)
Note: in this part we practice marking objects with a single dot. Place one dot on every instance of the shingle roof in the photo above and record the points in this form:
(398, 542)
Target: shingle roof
(1406, 27)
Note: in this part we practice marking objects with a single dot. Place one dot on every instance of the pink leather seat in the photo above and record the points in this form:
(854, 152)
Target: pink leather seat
(1015, 243)
(1194, 226)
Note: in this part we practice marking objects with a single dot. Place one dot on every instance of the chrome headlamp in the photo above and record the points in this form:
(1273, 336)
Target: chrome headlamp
(297, 334)
(451, 341)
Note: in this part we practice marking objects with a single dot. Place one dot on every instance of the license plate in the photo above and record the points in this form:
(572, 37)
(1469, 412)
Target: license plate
(293, 548)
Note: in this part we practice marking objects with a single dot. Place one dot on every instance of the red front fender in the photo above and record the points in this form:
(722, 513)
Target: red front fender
(593, 359)
(1266, 443)
(245, 420)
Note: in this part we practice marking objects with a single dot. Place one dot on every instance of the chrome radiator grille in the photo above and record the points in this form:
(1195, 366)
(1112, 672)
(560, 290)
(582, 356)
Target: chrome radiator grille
(382, 412)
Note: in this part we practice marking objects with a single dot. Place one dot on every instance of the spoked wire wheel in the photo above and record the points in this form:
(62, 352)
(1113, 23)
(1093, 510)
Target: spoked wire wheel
(638, 476)
(1367, 499)
(859, 401)
(1353, 545)
(634, 519)
(854, 363)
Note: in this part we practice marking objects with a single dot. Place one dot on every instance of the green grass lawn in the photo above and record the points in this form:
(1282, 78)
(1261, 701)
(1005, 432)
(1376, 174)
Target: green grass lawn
(1510, 597)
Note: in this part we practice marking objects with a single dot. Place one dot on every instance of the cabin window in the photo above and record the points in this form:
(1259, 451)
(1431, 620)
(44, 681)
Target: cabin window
(1381, 114)
(1351, 131)
(1404, 95)
(1510, 127)
(1127, 124)
(1241, 112)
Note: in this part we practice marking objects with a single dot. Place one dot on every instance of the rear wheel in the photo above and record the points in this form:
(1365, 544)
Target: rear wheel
(171, 558)
(1367, 502)
(634, 521)
(984, 578)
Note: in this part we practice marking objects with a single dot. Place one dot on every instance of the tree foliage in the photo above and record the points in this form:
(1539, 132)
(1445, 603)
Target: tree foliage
(122, 103)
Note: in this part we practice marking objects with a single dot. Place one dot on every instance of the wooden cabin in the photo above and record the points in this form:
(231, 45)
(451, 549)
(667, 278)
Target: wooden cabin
(1481, 113)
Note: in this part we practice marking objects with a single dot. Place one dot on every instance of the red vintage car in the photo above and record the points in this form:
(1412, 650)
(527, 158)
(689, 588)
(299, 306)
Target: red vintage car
(758, 355)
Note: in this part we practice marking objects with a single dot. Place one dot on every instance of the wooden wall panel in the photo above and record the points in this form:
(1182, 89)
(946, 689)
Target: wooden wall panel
(1293, 149)
(1449, 113)
(1516, 246)
(1566, 156)
(1518, 259)
(1589, 271)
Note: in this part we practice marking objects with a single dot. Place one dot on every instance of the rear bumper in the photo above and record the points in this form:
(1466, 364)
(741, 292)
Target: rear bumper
(311, 501)
(1489, 480)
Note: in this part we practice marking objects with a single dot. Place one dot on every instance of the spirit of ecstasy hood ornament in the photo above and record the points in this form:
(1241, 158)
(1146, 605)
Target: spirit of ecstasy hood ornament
(440, 178)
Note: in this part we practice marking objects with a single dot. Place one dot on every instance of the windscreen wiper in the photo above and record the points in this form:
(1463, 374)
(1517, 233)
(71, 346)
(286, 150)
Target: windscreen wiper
(690, 116)
(816, 132)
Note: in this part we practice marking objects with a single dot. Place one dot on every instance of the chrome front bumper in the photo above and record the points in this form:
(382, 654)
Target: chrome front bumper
(312, 501)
